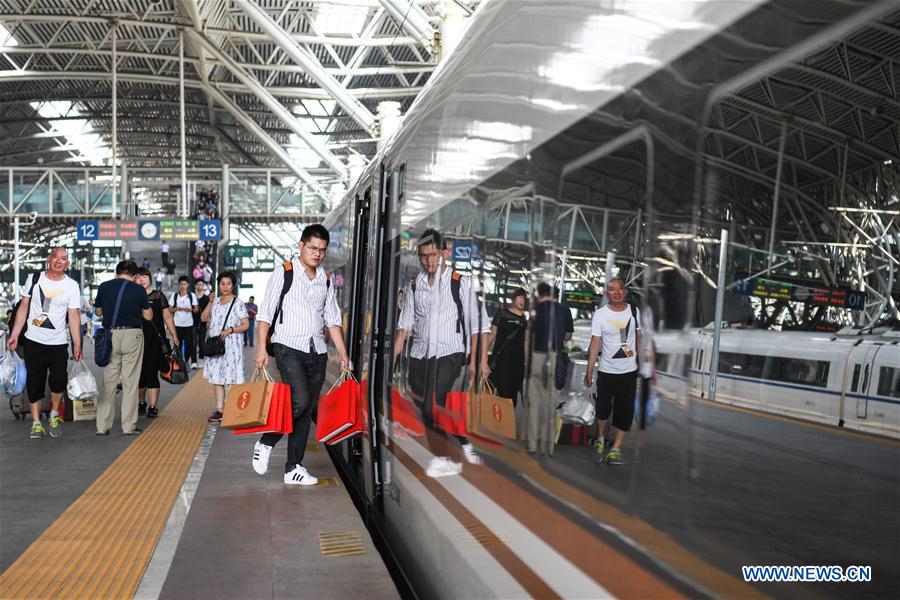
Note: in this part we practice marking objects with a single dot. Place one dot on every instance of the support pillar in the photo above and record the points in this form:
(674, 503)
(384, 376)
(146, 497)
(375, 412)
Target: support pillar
(720, 305)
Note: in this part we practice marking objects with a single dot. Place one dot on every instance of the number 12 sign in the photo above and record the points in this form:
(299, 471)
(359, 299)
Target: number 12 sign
(88, 231)
(210, 229)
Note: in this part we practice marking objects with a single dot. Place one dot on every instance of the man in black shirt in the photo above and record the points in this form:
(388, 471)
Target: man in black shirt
(551, 328)
(127, 346)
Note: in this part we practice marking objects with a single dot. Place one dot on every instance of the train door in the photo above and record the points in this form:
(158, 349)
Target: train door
(884, 390)
(699, 374)
(355, 451)
(862, 360)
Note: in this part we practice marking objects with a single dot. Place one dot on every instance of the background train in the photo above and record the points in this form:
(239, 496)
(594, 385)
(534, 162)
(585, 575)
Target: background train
(559, 134)
(844, 380)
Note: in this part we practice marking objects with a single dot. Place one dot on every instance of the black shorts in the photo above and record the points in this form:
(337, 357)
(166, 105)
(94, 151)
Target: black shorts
(615, 394)
(40, 358)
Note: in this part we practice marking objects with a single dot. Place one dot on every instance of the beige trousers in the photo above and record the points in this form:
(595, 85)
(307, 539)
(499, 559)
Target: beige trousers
(541, 395)
(124, 366)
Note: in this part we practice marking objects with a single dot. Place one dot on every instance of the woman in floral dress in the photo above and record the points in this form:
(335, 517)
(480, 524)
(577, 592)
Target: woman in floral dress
(225, 369)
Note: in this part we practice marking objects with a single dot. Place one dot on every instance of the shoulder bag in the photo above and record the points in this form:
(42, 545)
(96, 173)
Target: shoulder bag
(214, 345)
(103, 339)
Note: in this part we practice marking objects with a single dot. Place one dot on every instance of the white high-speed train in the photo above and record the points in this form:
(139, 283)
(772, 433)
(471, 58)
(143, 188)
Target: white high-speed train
(846, 380)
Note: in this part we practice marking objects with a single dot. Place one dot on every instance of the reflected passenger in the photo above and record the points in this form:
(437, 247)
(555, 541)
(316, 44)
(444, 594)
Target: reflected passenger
(507, 361)
(551, 328)
(442, 315)
(615, 337)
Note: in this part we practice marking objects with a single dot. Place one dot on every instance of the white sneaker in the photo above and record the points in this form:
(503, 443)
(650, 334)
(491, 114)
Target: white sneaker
(471, 454)
(441, 466)
(193, 366)
(260, 461)
(299, 476)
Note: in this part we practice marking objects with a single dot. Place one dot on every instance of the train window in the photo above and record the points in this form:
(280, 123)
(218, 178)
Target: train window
(855, 385)
(797, 370)
(662, 361)
(889, 382)
(746, 365)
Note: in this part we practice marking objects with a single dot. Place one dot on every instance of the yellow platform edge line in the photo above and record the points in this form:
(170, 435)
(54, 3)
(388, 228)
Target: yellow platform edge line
(100, 546)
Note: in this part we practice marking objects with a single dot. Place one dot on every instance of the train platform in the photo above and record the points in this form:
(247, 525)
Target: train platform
(175, 512)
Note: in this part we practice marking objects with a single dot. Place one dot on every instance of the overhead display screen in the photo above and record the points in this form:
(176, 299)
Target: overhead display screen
(791, 292)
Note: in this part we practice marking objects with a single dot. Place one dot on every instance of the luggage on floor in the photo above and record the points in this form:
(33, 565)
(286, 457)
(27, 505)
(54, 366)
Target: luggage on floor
(79, 410)
(21, 409)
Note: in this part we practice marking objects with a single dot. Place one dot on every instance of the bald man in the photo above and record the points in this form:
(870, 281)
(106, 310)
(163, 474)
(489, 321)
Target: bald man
(51, 308)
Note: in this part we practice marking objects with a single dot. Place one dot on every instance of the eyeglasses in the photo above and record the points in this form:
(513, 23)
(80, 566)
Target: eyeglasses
(316, 250)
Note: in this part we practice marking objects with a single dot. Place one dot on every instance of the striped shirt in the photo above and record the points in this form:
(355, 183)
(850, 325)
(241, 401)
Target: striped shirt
(309, 306)
(432, 316)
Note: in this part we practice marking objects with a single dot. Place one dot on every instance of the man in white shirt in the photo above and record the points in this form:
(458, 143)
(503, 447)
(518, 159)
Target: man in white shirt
(299, 314)
(164, 252)
(615, 336)
(50, 305)
(444, 326)
(182, 305)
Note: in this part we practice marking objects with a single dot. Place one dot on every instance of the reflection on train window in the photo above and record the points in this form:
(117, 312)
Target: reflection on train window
(889, 382)
(746, 365)
(855, 385)
(796, 370)
(662, 361)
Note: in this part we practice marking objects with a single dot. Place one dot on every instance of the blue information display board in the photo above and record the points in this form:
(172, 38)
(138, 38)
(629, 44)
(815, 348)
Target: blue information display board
(149, 229)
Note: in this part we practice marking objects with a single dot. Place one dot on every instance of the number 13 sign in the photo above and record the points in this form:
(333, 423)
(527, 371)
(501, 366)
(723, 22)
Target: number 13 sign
(210, 229)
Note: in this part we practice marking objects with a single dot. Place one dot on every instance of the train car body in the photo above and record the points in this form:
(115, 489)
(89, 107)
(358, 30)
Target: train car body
(540, 106)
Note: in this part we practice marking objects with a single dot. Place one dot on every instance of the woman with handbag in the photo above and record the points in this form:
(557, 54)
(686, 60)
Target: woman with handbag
(154, 338)
(226, 320)
(507, 359)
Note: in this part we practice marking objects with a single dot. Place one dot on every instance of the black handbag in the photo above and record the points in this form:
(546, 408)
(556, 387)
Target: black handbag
(173, 368)
(561, 375)
(103, 338)
(215, 346)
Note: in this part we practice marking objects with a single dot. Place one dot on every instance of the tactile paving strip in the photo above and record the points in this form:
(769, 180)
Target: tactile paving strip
(104, 540)
(345, 543)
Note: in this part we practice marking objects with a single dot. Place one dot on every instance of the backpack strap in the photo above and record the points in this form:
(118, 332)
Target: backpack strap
(455, 285)
(34, 279)
(285, 288)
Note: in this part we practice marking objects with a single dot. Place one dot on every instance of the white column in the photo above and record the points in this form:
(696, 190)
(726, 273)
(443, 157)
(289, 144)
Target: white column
(356, 164)
(389, 120)
(114, 122)
(15, 254)
(453, 23)
(123, 192)
(184, 202)
(720, 302)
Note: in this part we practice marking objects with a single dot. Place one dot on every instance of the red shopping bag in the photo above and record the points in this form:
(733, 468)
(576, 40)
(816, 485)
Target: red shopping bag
(405, 415)
(279, 419)
(451, 418)
(339, 415)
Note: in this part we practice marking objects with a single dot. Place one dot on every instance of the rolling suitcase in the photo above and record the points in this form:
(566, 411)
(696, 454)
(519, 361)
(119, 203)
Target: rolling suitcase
(20, 408)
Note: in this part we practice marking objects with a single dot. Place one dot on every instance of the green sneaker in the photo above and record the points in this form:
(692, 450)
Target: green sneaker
(599, 449)
(614, 457)
(55, 427)
(37, 431)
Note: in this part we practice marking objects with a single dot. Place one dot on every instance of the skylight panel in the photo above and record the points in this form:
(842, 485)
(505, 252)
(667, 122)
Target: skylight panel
(79, 133)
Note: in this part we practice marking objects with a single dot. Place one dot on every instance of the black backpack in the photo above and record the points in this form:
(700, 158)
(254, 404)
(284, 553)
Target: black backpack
(15, 309)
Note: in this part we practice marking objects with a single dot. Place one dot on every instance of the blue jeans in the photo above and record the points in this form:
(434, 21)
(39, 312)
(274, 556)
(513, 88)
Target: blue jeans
(248, 335)
(305, 373)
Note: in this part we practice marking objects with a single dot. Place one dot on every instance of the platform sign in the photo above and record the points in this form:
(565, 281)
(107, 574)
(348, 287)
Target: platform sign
(791, 292)
(87, 231)
(239, 251)
(118, 230)
(464, 251)
(210, 229)
(178, 229)
(579, 299)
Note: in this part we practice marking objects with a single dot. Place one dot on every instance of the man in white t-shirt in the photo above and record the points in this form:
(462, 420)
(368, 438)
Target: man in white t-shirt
(50, 306)
(183, 304)
(615, 337)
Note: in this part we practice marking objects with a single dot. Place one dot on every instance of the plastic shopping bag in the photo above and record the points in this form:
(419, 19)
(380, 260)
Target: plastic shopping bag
(82, 385)
(12, 374)
(578, 410)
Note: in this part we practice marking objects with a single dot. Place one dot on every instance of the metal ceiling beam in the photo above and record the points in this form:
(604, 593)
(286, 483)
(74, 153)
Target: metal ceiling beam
(412, 20)
(236, 35)
(302, 57)
(278, 109)
(337, 72)
(223, 100)
(282, 92)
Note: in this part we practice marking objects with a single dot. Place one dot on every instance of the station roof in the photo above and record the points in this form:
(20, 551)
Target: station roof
(56, 79)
